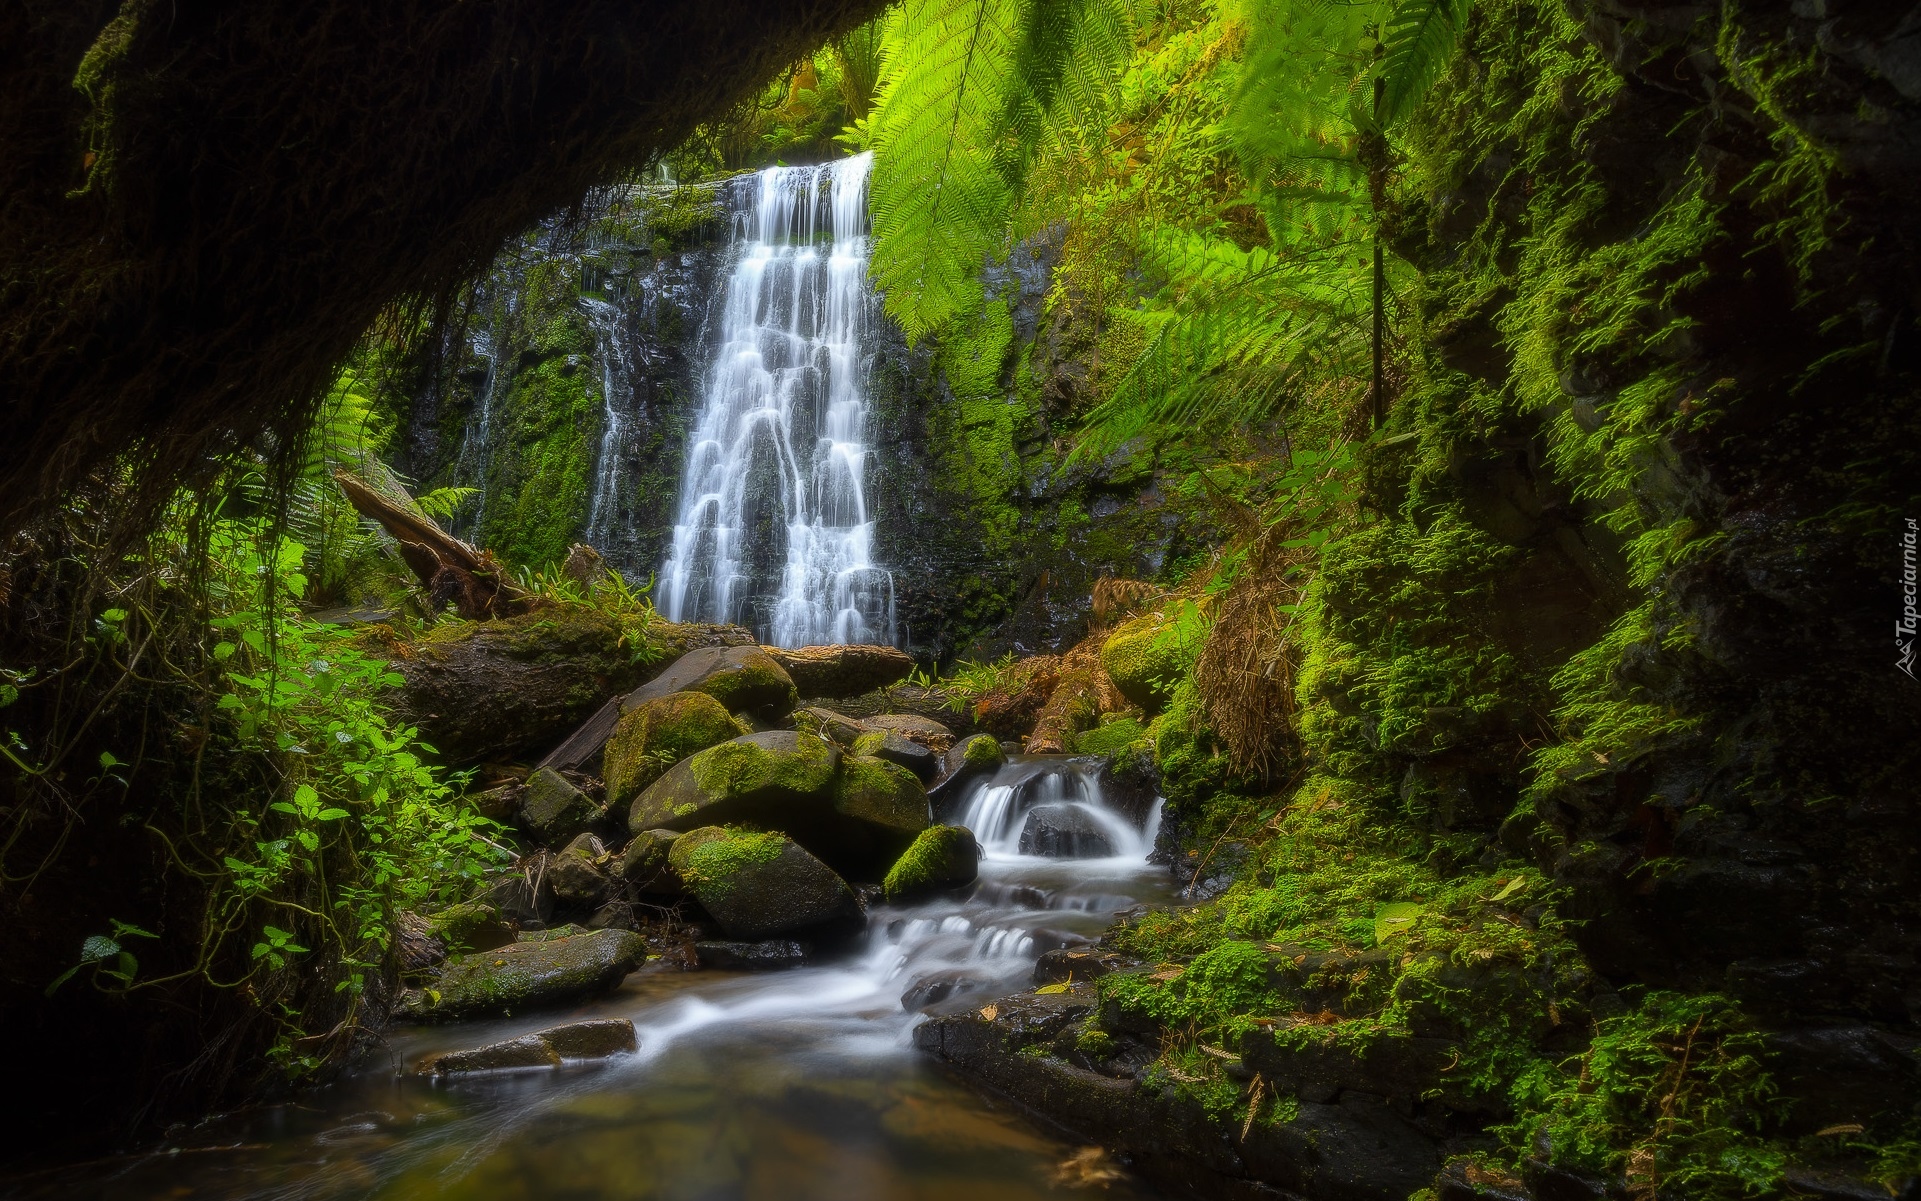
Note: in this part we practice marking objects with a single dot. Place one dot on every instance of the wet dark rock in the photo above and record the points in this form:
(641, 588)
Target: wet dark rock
(1068, 964)
(936, 988)
(968, 760)
(896, 749)
(759, 886)
(546, 1048)
(769, 955)
(1063, 832)
(1844, 1073)
(554, 811)
(526, 975)
(521, 897)
(593, 1039)
(578, 874)
(1468, 1180)
(527, 1051)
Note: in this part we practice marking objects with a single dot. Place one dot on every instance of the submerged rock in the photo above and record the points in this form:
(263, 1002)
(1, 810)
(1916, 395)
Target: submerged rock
(941, 857)
(744, 679)
(776, 779)
(546, 1048)
(1064, 832)
(527, 975)
(769, 955)
(655, 734)
(758, 885)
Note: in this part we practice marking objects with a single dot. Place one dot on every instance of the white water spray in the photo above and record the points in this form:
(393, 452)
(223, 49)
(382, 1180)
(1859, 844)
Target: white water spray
(776, 467)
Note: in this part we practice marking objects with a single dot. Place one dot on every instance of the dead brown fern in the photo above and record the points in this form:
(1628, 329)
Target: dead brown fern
(1245, 673)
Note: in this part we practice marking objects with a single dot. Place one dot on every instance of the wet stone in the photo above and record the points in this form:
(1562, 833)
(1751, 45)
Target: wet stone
(770, 955)
(1064, 832)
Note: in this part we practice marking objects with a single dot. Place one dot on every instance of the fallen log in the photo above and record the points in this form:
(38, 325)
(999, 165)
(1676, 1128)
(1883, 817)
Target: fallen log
(448, 569)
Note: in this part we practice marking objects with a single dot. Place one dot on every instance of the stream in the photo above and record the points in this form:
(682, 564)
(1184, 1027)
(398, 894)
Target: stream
(799, 1084)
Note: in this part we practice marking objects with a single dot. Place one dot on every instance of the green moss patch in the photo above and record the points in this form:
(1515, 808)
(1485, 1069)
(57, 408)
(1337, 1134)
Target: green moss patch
(941, 857)
(658, 733)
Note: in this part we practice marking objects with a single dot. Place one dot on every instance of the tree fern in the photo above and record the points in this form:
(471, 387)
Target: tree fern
(966, 88)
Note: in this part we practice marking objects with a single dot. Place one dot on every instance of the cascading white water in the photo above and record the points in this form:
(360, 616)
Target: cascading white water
(776, 466)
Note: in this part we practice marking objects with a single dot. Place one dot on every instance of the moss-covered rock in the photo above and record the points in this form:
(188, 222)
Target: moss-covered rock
(774, 779)
(579, 872)
(940, 857)
(554, 811)
(744, 679)
(883, 796)
(527, 975)
(1145, 656)
(645, 865)
(759, 885)
(655, 734)
(840, 671)
(470, 926)
(970, 758)
(886, 744)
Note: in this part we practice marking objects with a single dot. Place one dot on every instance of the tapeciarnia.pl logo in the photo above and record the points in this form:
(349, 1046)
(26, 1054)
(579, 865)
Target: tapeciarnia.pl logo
(1904, 626)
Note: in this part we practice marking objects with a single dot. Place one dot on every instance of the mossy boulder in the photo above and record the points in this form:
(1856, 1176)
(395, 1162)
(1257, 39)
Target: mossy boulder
(842, 671)
(933, 735)
(744, 679)
(1146, 655)
(940, 857)
(470, 926)
(645, 865)
(886, 744)
(778, 779)
(969, 759)
(554, 811)
(527, 975)
(655, 734)
(881, 795)
(760, 885)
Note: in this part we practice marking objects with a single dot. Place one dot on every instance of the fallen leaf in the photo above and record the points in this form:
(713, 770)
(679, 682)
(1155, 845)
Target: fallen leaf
(1053, 989)
(1395, 919)
(991, 1012)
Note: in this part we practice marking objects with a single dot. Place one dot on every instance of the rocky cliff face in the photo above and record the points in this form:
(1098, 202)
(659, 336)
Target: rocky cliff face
(993, 541)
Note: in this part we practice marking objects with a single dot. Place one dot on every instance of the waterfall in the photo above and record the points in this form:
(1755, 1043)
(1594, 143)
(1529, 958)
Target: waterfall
(773, 530)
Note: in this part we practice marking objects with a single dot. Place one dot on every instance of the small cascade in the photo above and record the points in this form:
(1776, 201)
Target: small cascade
(773, 530)
(1001, 811)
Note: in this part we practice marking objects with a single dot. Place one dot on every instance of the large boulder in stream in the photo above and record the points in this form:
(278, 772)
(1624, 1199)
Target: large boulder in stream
(653, 735)
(969, 759)
(761, 885)
(941, 857)
(1064, 832)
(776, 779)
(526, 975)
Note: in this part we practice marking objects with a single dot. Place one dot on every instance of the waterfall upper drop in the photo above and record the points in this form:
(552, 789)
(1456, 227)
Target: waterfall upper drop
(774, 488)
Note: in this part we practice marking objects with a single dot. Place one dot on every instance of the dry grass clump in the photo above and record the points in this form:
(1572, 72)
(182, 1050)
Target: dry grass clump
(1245, 673)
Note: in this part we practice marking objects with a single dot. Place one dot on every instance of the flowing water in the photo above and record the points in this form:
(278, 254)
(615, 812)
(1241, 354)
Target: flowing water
(773, 530)
(795, 1085)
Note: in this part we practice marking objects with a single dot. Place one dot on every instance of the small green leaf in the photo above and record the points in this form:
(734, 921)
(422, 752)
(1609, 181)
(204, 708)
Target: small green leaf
(1517, 885)
(1395, 919)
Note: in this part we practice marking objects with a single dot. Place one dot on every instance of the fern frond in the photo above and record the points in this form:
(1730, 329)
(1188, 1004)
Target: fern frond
(1419, 39)
(967, 90)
